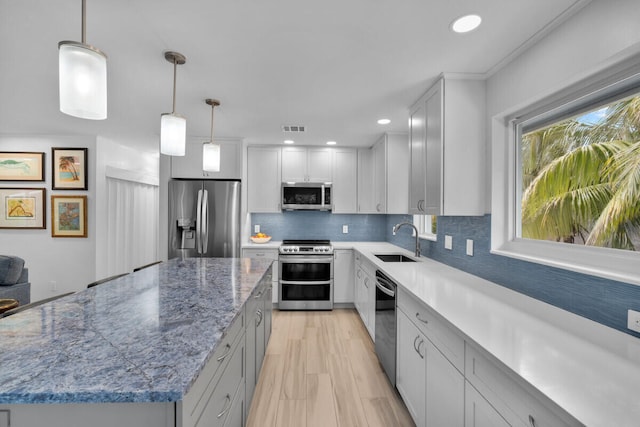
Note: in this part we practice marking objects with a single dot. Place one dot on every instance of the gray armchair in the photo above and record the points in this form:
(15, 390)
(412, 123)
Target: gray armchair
(14, 279)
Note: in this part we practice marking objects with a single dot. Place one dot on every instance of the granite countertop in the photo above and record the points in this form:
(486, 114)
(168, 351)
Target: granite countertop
(142, 338)
(590, 370)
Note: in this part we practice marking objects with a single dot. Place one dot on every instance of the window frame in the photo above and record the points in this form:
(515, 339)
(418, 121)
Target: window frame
(608, 83)
(424, 230)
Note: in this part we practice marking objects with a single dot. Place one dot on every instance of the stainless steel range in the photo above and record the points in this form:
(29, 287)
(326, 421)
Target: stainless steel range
(306, 275)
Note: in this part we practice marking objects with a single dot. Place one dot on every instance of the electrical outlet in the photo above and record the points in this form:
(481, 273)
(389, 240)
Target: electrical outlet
(256, 228)
(345, 229)
(448, 242)
(469, 247)
(633, 320)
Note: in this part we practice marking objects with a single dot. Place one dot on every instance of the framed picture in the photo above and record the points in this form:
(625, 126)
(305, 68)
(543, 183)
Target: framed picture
(69, 168)
(21, 166)
(69, 216)
(22, 208)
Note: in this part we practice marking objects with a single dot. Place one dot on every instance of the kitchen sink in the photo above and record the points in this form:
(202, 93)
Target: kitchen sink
(394, 258)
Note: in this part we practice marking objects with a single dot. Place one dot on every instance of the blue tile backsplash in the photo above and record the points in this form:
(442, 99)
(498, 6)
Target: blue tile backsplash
(602, 300)
(321, 225)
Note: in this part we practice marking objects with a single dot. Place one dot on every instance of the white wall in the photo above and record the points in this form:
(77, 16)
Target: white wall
(602, 33)
(69, 262)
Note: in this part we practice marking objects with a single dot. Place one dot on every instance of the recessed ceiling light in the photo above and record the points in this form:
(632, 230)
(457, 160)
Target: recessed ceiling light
(466, 23)
(288, 141)
(331, 143)
(384, 121)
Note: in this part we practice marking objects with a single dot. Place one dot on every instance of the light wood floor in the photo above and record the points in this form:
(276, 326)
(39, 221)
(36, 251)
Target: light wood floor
(320, 369)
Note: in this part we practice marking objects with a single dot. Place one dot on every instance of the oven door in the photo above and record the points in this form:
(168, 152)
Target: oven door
(306, 282)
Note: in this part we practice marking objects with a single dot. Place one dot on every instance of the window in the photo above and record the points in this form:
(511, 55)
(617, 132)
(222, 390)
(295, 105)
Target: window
(580, 178)
(566, 177)
(426, 225)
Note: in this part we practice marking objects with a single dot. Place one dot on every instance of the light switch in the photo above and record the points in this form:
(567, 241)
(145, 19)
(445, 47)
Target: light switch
(469, 247)
(345, 229)
(448, 242)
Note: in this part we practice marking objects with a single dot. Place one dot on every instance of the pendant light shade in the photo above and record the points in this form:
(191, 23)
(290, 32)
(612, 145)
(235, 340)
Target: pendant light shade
(173, 134)
(173, 126)
(82, 78)
(211, 150)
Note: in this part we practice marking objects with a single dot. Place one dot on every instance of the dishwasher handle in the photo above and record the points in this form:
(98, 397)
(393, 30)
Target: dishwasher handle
(385, 290)
(385, 284)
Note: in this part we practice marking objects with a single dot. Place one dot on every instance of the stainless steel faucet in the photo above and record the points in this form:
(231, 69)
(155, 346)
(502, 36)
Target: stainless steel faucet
(397, 227)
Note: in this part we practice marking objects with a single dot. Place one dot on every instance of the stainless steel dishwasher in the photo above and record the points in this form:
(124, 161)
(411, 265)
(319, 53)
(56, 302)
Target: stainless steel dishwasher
(386, 324)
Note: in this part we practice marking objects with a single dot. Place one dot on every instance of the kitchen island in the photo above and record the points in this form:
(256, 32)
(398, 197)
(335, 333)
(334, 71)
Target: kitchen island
(134, 351)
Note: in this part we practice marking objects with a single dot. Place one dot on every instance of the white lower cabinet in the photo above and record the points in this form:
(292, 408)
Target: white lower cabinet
(431, 387)
(343, 276)
(478, 412)
(365, 293)
(266, 253)
(411, 369)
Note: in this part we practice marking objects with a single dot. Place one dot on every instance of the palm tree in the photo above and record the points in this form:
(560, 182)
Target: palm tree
(582, 181)
(67, 163)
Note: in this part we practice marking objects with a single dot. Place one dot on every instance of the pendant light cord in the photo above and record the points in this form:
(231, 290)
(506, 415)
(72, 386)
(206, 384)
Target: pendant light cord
(175, 66)
(84, 23)
(213, 106)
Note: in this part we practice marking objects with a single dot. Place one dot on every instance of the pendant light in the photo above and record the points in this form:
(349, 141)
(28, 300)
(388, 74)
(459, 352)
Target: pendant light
(173, 126)
(210, 150)
(83, 77)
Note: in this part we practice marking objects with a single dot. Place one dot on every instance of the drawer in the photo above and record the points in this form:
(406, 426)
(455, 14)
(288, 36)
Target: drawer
(196, 398)
(443, 336)
(518, 402)
(260, 253)
(218, 402)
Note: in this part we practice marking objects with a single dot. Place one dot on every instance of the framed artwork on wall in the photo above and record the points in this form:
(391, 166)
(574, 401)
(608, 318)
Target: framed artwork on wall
(69, 216)
(21, 166)
(69, 168)
(22, 208)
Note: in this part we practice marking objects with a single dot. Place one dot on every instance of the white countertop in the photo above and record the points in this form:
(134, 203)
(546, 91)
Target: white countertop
(590, 370)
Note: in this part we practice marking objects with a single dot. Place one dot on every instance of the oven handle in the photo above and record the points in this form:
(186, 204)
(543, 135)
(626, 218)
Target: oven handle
(303, 283)
(295, 259)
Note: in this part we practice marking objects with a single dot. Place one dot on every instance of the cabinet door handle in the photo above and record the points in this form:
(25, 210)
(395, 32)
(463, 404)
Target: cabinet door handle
(221, 358)
(532, 421)
(366, 282)
(228, 406)
(259, 313)
(359, 274)
(378, 207)
(422, 320)
(416, 347)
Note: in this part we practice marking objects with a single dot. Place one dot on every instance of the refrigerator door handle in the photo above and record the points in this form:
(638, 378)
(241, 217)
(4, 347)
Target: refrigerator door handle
(199, 223)
(205, 222)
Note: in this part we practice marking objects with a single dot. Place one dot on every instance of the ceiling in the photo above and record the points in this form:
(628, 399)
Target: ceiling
(334, 66)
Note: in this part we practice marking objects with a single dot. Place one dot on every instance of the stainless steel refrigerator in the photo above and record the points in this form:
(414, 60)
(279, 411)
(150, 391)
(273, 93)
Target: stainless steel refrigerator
(204, 218)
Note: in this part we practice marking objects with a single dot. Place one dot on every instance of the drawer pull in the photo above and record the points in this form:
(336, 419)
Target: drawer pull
(532, 421)
(221, 358)
(228, 406)
(422, 320)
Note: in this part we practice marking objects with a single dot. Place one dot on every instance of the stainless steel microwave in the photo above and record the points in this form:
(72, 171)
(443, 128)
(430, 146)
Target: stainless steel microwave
(306, 196)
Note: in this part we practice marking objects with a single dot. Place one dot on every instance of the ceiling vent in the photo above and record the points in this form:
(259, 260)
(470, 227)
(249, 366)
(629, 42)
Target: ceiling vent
(290, 128)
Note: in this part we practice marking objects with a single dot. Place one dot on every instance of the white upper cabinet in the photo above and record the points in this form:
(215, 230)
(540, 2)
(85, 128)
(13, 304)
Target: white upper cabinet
(190, 165)
(307, 164)
(345, 180)
(447, 144)
(263, 179)
(383, 175)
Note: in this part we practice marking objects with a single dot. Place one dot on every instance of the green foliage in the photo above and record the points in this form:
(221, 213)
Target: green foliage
(582, 181)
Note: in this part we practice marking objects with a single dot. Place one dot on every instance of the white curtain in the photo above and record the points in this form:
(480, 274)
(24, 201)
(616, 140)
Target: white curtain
(132, 227)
